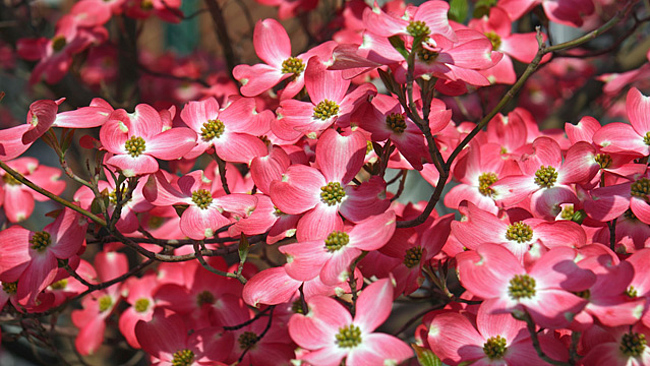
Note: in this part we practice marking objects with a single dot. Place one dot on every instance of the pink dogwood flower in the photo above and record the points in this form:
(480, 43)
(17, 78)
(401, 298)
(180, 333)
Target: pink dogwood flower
(272, 45)
(205, 211)
(330, 333)
(31, 258)
(137, 139)
(330, 258)
(459, 337)
(232, 131)
(322, 193)
(544, 290)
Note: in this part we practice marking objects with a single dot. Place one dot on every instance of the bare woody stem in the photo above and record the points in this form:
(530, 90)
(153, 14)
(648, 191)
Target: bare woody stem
(222, 34)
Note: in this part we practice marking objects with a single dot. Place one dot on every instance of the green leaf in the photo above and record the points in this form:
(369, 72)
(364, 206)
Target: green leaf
(243, 248)
(426, 357)
(482, 7)
(458, 10)
(398, 43)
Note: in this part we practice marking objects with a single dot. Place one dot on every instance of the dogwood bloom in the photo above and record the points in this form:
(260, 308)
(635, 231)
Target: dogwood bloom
(330, 333)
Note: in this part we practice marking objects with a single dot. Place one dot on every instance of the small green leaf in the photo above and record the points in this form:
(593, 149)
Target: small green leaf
(483, 7)
(398, 43)
(425, 356)
(243, 248)
(579, 217)
(458, 10)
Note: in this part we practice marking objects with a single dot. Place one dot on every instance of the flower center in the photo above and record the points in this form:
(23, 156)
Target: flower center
(205, 297)
(640, 188)
(58, 43)
(326, 109)
(40, 241)
(545, 177)
(495, 347)
(212, 129)
(631, 292)
(567, 212)
(105, 303)
(293, 65)
(141, 305)
(134, 146)
(336, 240)
(521, 286)
(247, 340)
(10, 180)
(604, 160)
(646, 138)
(633, 344)
(202, 198)
(413, 257)
(332, 193)
(10, 288)
(427, 56)
(396, 122)
(485, 180)
(418, 28)
(60, 284)
(348, 336)
(112, 197)
(296, 307)
(183, 357)
(495, 39)
(519, 232)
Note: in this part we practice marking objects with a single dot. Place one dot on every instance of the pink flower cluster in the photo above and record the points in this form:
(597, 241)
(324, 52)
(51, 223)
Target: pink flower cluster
(264, 226)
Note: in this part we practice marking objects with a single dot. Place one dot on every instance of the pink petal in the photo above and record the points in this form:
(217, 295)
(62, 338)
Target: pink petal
(305, 259)
(638, 110)
(487, 271)
(619, 137)
(271, 286)
(258, 78)
(11, 145)
(14, 253)
(583, 131)
(641, 209)
(319, 222)
(130, 166)
(374, 305)
(340, 157)
(336, 269)
(323, 84)
(379, 349)
(454, 339)
(199, 224)
(299, 189)
(271, 42)
(171, 144)
(19, 203)
(145, 122)
(42, 114)
(322, 322)
(239, 147)
(373, 232)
